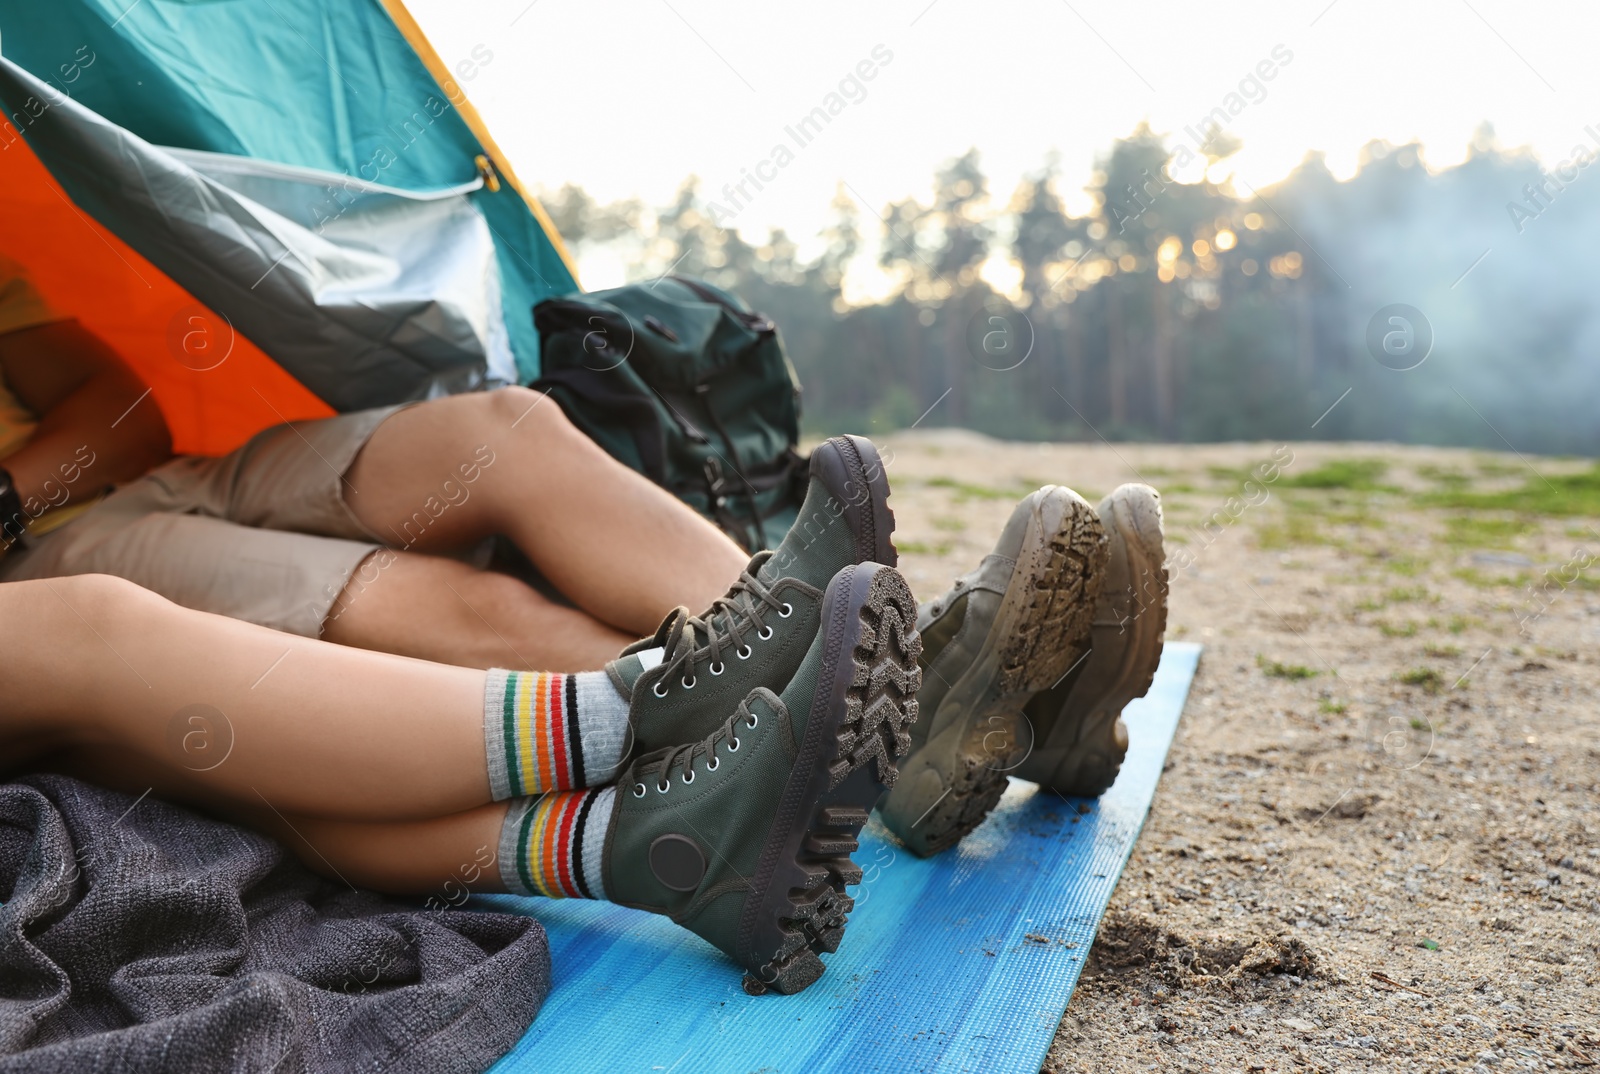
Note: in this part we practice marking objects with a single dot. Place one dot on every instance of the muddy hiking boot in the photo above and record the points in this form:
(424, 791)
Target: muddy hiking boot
(1012, 627)
(744, 837)
(1079, 739)
(684, 681)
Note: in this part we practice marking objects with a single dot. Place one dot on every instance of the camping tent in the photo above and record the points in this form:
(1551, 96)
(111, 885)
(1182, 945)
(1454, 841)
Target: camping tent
(274, 210)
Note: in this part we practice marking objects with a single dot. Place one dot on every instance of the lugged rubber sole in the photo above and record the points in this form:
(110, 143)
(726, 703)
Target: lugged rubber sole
(1080, 752)
(1057, 581)
(853, 473)
(957, 777)
(866, 698)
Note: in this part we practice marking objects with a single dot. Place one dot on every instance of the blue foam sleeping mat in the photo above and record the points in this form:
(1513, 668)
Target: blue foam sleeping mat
(964, 962)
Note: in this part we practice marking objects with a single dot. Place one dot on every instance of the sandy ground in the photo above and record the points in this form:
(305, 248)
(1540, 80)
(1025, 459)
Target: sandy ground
(1376, 844)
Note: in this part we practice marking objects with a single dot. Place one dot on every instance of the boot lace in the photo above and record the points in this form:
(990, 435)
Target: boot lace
(682, 758)
(702, 639)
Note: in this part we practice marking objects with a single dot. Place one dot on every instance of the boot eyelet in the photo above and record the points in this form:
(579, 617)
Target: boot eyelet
(718, 668)
(716, 762)
(640, 790)
(733, 745)
(753, 721)
(688, 777)
(764, 633)
(659, 689)
(663, 787)
(688, 682)
(788, 610)
(743, 652)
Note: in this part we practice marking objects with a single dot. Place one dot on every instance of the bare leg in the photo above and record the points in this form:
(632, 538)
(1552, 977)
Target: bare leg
(440, 609)
(113, 683)
(444, 857)
(444, 475)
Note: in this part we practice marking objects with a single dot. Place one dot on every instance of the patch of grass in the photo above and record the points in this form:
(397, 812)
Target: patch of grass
(1427, 678)
(921, 548)
(1404, 630)
(1474, 577)
(1438, 475)
(1414, 594)
(1335, 509)
(1174, 489)
(1274, 539)
(1329, 705)
(1441, 652)
(1360, 475)
(1276, 670)
(1297, 528)
(1586, 580)
(969, 491)
(1486, 531)
(1419, 724)
(1560, 496)
(1496, 468)
(1403, 564)
(1361, 517)
(1459, 623)
(1027, 484)
(1407, 566)
(950, 525)
(1349, 579)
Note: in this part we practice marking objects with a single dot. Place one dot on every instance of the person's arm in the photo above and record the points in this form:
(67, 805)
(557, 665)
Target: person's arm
(97, 426)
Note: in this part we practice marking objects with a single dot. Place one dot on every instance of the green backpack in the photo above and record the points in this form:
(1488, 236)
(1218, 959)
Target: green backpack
(684, 383)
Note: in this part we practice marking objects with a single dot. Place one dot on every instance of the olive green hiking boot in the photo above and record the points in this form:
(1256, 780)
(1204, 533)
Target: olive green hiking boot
(1012, 627)
(1079, 737)
(745, 836)
(684, 681)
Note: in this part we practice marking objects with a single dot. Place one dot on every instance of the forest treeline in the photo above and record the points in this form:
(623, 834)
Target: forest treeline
(1182, 311)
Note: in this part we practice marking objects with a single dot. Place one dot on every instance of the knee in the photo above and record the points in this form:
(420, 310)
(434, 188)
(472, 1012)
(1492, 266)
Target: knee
(48, 605)
(529, 412)
(109, 599)
(497, 591)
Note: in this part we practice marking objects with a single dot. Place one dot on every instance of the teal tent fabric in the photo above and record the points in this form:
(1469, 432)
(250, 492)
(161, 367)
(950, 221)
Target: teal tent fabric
(329, 85)
(368, 295)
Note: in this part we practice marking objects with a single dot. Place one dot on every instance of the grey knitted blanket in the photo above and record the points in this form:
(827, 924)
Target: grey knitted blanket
(144, 937)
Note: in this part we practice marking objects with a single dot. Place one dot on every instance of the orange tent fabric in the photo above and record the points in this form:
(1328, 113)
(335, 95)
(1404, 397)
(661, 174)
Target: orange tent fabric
(215, 387)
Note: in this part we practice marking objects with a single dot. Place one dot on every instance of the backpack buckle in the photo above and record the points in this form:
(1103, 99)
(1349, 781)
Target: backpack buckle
(716, 481)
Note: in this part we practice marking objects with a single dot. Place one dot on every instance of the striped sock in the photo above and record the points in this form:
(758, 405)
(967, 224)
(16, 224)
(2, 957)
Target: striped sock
(552, 845)
(551, 732)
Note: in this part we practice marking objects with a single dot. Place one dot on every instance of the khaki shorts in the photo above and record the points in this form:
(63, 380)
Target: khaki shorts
(262, 535)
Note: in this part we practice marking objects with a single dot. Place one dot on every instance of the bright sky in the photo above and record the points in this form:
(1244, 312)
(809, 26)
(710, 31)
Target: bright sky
(626, 97)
